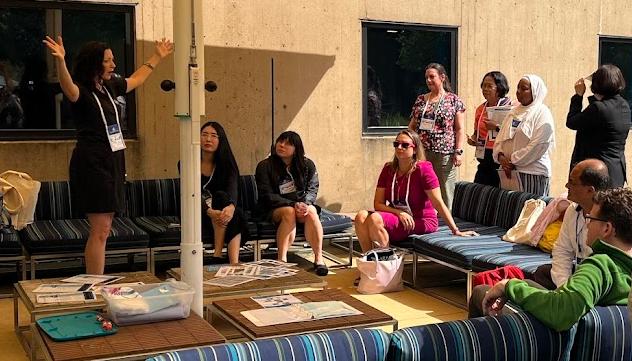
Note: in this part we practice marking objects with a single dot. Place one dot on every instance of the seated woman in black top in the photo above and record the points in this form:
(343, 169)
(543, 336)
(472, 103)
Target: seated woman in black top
(287, 184)
(220, 177)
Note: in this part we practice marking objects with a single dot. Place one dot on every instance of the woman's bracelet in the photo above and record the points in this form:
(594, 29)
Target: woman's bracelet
(148, 64)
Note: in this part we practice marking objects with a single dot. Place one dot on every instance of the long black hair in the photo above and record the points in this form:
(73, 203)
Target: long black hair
(298, 165)
(224, 159)
(89, 63)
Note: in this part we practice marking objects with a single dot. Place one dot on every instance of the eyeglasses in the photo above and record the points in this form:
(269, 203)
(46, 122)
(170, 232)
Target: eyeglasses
(590, 218)
(404, 145)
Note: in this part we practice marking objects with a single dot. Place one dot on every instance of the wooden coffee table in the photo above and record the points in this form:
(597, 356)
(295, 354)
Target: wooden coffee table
(23, 291)
(371, 317)
(136, 342)
(301, 279)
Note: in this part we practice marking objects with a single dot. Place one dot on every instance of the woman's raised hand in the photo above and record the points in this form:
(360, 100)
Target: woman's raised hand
(580, 87)
(164, 47)
(56, 47)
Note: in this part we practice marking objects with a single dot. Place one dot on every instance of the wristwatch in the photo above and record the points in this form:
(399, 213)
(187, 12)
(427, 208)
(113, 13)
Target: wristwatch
(458, 151)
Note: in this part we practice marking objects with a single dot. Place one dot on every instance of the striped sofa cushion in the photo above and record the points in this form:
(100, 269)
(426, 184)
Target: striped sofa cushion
(516, 337)
(332, 223)
(509, 206)
(9, 243)
(53, 201)
(153, 197)
(604, 333)
(159, 230)
(460, 251)
(527, 258)
(345, 345)
(70, 235)
(475, 202)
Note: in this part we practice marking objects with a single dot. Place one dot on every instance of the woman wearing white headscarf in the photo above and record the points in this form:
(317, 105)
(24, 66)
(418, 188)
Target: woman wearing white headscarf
(527, 136)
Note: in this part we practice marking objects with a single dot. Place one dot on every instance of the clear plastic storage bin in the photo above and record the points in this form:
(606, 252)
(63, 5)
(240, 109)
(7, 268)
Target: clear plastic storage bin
(154, 302)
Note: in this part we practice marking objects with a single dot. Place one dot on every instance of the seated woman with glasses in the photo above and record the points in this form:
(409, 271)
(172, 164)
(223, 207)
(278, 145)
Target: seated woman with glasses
(407, 198)
(220, 177)
(287, 183)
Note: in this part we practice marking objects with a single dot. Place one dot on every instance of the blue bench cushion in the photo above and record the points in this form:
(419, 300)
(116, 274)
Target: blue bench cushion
(10, 243)
(70, 235)
(153, 197)
(509, 205)
(518, 337)
(527, 258)
(475, 202)
(345, 345)
(604, 334)
(332, 223)
(460, 251)
(53, 201)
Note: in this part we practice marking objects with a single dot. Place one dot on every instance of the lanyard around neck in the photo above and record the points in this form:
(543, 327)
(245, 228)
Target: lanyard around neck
(393, 188)
(105, 122)
(436, 110)
(209, 179)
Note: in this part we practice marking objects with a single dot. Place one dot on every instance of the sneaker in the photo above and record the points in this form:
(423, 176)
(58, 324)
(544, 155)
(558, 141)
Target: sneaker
(321, 269)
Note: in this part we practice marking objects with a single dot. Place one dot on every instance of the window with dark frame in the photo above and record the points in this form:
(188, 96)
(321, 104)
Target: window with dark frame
(32, 105)
(618, 51)
(394, 57)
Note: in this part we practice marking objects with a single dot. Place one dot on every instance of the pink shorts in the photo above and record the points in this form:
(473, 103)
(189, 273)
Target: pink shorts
(396, 231)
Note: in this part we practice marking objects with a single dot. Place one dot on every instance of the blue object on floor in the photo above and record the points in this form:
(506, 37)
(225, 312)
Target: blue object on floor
(74, 326)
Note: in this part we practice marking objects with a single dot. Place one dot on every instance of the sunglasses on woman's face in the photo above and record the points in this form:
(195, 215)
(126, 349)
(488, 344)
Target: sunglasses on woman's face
(404, 145)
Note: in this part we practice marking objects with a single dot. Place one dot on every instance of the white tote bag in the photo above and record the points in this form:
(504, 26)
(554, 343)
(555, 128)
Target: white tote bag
(380, 276)
(20, 196)
(521, 232)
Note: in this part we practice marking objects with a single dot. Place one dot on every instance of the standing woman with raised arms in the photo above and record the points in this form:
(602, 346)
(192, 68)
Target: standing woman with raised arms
(97, 166)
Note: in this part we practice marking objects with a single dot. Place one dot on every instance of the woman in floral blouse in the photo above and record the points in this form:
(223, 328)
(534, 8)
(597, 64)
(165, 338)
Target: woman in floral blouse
(438, 117)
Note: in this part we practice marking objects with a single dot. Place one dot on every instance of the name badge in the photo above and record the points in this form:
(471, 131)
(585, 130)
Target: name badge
(426, 124)
(287, 186)
(480, 149)
(402, 207)
(115, 136)
(515, 123)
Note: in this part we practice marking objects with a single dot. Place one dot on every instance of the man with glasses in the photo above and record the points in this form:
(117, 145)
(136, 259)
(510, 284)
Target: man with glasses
(587, 178)
(601, 279)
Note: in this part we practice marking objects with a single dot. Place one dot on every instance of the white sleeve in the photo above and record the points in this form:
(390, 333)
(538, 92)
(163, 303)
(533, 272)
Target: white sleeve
(503, 135)
(564, 252)
(538, 145)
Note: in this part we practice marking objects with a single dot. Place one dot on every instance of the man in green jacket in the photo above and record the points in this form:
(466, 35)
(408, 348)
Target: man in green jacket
(601, 279)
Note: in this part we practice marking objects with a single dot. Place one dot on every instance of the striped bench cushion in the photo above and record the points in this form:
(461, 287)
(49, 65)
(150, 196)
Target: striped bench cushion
(527, 258)
(10, 243)
(70, 235)
(509, 206)
(332, 223)
(153, 197)
(516, 337)
(460, 251)
(345, 345)
(475, 202)
(604, 333)
(53, 201)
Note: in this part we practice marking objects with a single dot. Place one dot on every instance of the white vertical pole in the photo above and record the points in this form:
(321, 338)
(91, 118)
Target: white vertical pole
(189, 107)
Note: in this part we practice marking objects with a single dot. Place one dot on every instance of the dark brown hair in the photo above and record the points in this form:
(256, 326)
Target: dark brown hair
(615, 206)
(441, 70)
(607, 80)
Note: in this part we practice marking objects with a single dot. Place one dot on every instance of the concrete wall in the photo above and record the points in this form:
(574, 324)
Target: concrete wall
(316, 46)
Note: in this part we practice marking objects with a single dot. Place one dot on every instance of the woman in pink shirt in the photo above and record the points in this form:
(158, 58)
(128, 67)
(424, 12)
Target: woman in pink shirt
(407, 198)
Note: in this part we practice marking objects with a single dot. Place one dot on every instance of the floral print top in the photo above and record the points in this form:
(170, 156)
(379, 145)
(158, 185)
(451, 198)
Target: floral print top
(441, 139)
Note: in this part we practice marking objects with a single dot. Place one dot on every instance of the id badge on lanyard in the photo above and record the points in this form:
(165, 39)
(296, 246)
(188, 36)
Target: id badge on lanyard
(427, 123)
(515, 123)
(287, 185)
(113, 131)
(398, 204)
(480, 143)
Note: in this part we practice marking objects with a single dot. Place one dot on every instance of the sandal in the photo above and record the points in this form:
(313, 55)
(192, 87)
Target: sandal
(321, 269)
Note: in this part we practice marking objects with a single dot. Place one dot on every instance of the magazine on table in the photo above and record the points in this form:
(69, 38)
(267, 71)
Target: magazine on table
(88, 296)
(93, 279)
(62, 288)
(228, 281)
(299, 312)
(276, 301)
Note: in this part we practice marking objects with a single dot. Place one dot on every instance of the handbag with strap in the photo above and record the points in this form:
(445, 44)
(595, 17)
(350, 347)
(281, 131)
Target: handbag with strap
(380, 274)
